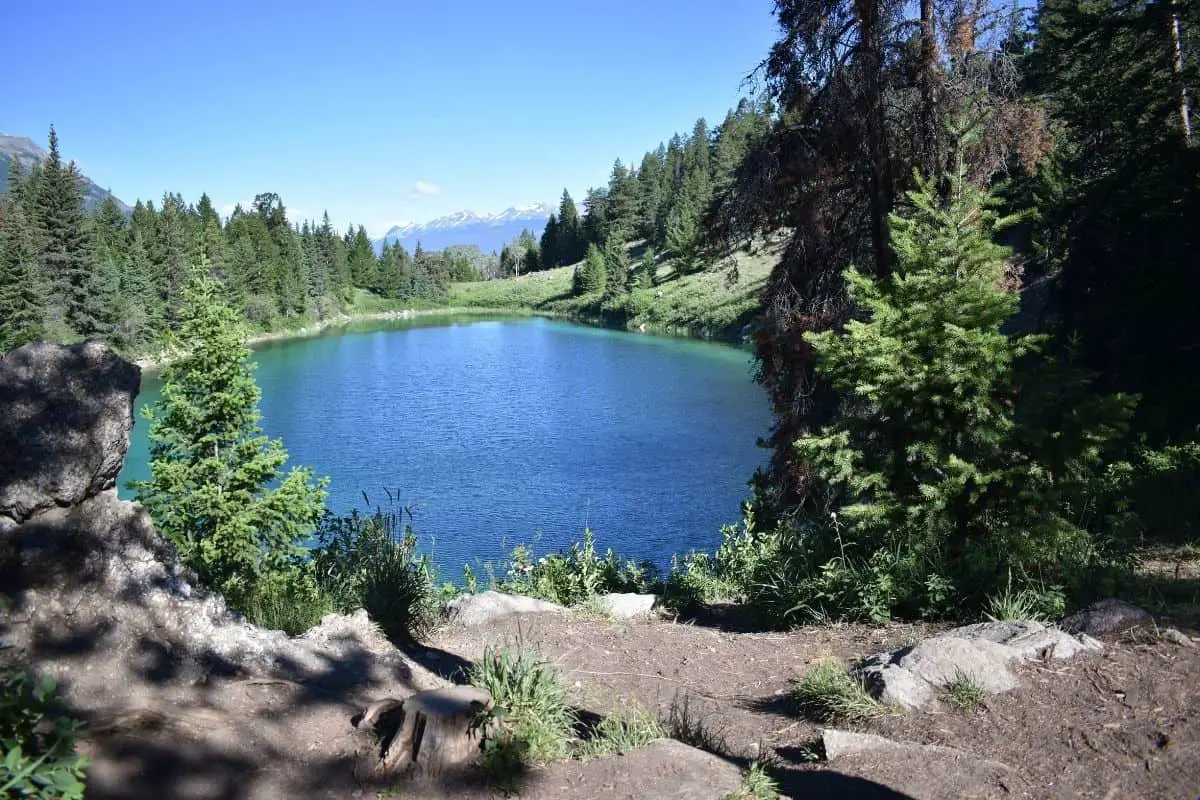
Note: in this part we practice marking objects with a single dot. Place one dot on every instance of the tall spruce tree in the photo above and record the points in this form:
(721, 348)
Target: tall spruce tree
(937, 493)
(217, 489)
(21, 289)
(66, 256)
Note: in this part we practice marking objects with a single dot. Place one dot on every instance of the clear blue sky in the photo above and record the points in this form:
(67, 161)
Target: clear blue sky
(377, 111)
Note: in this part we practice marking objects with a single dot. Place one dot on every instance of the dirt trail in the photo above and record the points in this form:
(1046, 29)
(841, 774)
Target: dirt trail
(1124, 723)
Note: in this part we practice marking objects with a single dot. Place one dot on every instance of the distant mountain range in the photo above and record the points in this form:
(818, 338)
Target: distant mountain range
(488, 231)
(27, 152)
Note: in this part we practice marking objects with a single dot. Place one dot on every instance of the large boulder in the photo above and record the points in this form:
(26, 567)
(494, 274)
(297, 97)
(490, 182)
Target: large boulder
(65, 417)
(1108, 616)
(628, 605)
(482, 608)
(913, 677)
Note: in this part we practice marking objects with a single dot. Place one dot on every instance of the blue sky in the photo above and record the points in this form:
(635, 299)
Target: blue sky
(377, 111)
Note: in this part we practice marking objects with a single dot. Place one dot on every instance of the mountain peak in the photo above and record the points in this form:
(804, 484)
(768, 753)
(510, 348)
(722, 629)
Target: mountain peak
(26, 151)
(487, 231)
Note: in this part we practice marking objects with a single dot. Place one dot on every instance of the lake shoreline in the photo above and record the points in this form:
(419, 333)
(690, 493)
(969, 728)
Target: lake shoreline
(154, 363)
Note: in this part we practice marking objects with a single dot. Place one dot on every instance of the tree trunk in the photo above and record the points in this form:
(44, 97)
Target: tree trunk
(1177, 46)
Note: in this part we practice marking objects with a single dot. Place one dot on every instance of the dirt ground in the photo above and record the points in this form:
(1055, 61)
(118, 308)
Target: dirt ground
(1124, 723)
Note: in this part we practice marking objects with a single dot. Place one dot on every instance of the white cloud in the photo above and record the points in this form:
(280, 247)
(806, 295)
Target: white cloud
(424, 189)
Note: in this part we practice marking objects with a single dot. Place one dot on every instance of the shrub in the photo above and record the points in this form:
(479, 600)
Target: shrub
(372, 562)
(756, 785)
(291, 601)
(571, 577)
(965, 692)
(828, 693)
(623, 730)
(531, 721)
(947, 467)
(38, 745)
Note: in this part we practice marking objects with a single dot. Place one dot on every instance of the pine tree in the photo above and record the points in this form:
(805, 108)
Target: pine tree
(591, 275)
(935, 484)
(647, 269)
(21, 288)
(213, 470)
(65, 253)
(570, 234)
(616, 266)
(550, 256)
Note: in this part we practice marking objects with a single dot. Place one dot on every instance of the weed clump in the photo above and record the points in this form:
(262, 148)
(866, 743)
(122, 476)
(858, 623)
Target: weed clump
(828, 693)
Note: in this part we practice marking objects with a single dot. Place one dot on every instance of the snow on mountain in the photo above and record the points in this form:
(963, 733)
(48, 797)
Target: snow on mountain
(488, 231)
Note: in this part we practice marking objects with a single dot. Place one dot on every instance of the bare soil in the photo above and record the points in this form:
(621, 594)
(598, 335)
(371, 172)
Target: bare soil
(1124, 723)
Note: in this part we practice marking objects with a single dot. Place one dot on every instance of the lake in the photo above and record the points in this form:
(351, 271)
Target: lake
(498, 432)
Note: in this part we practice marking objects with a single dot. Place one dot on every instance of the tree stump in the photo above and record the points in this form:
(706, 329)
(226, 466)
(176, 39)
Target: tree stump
(436, 731)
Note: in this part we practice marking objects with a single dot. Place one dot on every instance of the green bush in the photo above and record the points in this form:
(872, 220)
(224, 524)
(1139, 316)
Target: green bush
(828, 693)
(371, 562)
(571, 577)
(960, 454)
(531, 722)
(291, 601)
(623, 730)
(38, 745)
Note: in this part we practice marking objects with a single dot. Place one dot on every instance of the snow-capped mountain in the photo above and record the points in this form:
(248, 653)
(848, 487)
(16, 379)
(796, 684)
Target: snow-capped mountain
(488, 231)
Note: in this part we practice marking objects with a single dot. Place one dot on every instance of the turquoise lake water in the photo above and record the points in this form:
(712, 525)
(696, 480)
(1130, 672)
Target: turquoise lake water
(497, 432)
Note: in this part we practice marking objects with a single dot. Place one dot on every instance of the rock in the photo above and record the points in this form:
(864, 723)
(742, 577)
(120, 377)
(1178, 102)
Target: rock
(912, 769)
(98, 573)
(479, 609)
(912, 677)
(665, 770)
(627, 605)
(1177, 637)
(65, 417)
(1108, 616)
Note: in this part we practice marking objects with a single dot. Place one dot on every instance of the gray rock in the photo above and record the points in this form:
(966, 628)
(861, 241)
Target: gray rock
(665, 770)
(627, 605)
(919, 770)
(479, 609)
(65, 417)
(99, 573)
(1108, 616)
(912, 677)
(1177, 637)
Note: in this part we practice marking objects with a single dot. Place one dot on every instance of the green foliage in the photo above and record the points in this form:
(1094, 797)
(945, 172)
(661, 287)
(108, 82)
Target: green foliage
(531, 722)
(939, 479)
(1025, 604)
(571, 577)
(828, 693)
(756, 785)
(964, 692)
(625, 729)
(37, 743)
(371, 562)
(217, 489)
(592, 275)
(734, 573)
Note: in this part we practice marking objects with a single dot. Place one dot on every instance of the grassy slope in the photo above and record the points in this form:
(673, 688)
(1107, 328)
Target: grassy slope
(701, 303)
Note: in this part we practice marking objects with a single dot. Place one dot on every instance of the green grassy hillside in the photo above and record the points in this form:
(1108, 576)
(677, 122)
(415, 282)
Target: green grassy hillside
(702, 303)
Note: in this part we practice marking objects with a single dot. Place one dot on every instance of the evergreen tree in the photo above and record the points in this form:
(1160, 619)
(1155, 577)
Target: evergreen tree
(550, 256)
(21, 289)
(617, 266)
(647, 269)
(591, 275)
(938, 493)
(65, 254)
(571, 245)
(212, 492)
